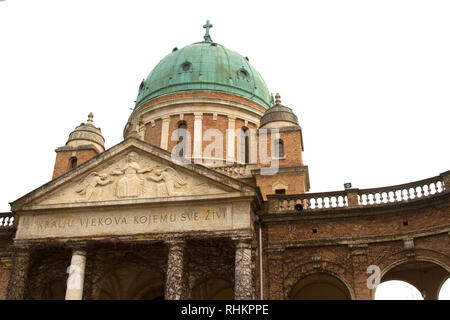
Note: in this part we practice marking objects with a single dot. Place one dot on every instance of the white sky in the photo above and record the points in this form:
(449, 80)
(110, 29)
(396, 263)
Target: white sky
(369, 80)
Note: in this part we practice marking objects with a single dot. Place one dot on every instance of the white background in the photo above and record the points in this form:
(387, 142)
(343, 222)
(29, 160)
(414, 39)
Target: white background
(369, 80)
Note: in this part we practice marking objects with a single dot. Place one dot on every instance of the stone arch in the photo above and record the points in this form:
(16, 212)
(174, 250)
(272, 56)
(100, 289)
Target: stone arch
(320, 284)
(425, 273)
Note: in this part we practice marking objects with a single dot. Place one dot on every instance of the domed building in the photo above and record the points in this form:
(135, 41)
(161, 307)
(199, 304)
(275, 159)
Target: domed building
(207, 198)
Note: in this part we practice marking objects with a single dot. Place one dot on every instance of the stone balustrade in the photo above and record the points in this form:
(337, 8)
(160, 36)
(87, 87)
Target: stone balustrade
(401, 193)
(6, 220)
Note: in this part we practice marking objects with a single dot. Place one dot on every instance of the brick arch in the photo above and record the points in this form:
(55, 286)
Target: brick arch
(388, 263)
(306, 269)
(422, 255)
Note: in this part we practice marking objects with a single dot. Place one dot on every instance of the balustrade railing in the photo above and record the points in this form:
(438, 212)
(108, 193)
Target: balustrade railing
(401, 193)
(6, 220)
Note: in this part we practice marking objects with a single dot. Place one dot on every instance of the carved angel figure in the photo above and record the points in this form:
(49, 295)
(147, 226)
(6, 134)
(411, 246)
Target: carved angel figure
(88, 186)
(170, 178)
(130, 185)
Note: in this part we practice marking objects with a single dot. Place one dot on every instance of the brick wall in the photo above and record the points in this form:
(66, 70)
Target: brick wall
(62, 162)
(345, 245)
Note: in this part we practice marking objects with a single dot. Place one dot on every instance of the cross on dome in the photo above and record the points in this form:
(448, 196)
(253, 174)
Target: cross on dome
(277, 99)
(207, 26)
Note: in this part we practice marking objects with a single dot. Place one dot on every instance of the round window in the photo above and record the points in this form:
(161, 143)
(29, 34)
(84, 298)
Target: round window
(243, 74)
(186, 66)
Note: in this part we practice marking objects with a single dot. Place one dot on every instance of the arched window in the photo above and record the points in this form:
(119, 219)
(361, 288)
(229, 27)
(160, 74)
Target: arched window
(279, 148)
(245, 145)
(73, 163)
(182, 127)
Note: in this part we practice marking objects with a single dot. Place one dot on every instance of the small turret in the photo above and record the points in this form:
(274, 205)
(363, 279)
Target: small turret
(85, 142)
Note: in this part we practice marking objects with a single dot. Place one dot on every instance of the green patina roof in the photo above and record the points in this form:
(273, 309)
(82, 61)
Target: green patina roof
(207, 66)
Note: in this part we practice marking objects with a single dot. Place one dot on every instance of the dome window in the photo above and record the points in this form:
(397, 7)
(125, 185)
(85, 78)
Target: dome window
(186, 66)
(243, 74)
(142, 86)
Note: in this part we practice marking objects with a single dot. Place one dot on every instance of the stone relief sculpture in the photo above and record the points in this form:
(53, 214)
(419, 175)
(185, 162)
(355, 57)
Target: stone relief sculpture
(170, 178)
(132, 176)
(131, 184)
(88, 186)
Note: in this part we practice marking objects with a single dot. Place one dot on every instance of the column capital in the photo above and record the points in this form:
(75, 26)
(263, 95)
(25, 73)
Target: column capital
(247, 237)
(175, 242)
(198, 115)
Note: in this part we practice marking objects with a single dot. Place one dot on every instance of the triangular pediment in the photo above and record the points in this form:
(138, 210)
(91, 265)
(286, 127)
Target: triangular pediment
(131, 172)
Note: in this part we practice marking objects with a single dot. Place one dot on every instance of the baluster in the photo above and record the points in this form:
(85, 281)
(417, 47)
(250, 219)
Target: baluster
(439, 185)
(369, 199)
(426, 191)
(305, 203)
(398, 194)
(433, 189)
(327, 202)
(321, 200)
(384, 197)
(412, 194)
(419, 193)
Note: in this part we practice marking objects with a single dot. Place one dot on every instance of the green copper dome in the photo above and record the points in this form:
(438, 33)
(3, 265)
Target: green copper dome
(205, 66)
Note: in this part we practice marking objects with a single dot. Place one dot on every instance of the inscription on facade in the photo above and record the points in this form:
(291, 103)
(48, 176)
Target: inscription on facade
(127, 222)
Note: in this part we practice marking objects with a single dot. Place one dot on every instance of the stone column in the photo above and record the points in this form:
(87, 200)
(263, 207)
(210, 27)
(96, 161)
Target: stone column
(76, 272)
(175, 279)
(19, 276)
(198, 136)
(244, 285)
(165, 132)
